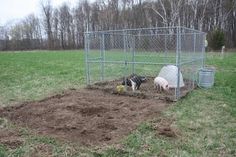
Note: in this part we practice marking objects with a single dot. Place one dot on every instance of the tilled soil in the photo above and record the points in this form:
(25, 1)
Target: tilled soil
(88, 116)
(10, 138)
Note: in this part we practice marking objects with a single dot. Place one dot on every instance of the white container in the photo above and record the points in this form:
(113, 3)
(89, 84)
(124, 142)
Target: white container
(170, 73)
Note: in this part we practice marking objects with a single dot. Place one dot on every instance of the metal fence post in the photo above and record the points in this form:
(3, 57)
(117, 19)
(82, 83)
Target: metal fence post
(165, 50)
(125, 57)
(133, 53)
(178, 45)
(194, 44)
(102, 49)
(203, 50)
(193, 58)
(86, 46)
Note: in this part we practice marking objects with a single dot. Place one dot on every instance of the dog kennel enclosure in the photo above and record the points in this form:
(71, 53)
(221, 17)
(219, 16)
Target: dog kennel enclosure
(115, 54)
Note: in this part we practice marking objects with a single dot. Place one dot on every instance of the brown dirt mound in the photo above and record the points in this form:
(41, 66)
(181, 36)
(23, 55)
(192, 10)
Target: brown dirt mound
(90, 117)
(97, 115)
(10, 138)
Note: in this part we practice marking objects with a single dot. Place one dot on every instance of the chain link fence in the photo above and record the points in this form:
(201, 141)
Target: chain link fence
(113, 56)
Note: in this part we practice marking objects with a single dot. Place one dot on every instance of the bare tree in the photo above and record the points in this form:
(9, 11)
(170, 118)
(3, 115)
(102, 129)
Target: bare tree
(64, 27)
(47, 12)
(4, 38)
(55, 29)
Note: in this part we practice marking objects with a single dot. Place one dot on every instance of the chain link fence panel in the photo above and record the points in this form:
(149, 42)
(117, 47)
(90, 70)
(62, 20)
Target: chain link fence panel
(114, 56)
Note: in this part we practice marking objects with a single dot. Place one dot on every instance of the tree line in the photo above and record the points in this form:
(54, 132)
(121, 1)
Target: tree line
(64, 27)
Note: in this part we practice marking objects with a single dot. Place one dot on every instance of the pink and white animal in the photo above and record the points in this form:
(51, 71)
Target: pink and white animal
(161, 84)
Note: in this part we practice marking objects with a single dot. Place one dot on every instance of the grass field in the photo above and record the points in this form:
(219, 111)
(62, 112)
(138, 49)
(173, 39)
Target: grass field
(34, 75)
(205, 121)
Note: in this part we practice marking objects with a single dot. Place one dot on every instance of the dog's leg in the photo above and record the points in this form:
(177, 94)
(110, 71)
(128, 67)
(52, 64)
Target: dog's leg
(138, 86)
(158, 88)
(162, 89)
(133, 85)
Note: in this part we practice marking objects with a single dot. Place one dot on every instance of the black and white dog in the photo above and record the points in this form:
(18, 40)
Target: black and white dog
(135, 81)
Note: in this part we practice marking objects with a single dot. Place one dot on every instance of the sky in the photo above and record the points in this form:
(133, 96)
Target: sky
(14, 10)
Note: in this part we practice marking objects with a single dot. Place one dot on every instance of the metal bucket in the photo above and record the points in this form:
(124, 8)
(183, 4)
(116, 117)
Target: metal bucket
(206, 77)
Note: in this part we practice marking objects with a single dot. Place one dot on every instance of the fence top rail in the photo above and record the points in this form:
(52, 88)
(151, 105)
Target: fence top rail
(167, 34)
(143, 29)
(135, 35)
(194, 30)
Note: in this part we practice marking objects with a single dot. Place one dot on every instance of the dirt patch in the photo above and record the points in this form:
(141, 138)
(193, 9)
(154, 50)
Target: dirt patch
(97, 115)
(90, 117)
(10, 138)
(147, 89)
(164, 127)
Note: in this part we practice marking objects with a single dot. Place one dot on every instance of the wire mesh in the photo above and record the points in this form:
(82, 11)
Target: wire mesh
(118, 54)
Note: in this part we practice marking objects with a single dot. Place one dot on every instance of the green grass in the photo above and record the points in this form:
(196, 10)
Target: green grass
(205, 119)
(34, 75)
